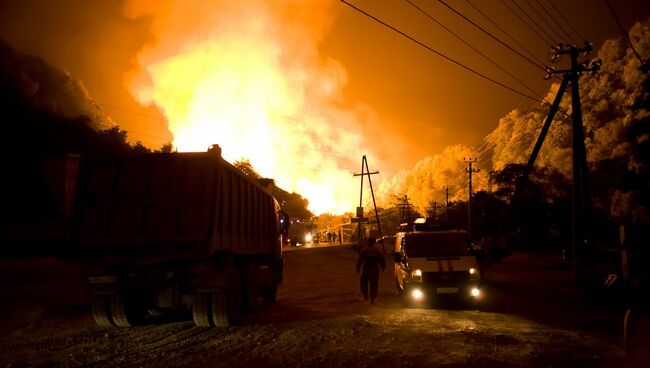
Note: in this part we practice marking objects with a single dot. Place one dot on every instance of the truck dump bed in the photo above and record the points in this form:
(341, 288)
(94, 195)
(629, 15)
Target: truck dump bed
(165, 206)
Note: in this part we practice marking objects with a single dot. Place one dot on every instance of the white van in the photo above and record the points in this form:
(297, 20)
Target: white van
(433, 264)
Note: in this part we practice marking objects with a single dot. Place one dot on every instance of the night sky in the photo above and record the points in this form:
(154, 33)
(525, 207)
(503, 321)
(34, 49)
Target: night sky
(351, 86)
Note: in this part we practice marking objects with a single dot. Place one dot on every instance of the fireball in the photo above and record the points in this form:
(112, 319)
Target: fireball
(251, 79)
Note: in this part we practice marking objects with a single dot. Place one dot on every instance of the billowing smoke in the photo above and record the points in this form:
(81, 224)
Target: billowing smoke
(249, 76)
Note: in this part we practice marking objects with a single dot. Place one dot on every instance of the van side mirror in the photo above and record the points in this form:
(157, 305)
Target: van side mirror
(284, 224)
(398, 257)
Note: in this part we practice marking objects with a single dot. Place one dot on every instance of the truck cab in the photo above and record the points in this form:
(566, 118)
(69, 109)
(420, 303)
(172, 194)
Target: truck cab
(432, 264)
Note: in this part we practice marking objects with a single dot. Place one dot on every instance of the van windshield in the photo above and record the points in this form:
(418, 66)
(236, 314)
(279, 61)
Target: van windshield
(440, 244)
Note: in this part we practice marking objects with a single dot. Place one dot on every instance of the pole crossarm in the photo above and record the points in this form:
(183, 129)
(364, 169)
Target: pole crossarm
(581, 244)
(368, 173)
(365, 171)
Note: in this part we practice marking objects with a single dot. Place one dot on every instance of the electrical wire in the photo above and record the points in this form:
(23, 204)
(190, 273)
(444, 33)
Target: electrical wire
(623, 31)
(525, 23)
(566, 20)
(493, 36)
(475, 49)
(548, 25)
(130, 111)
(504, 32)
(566, 33)
(439, 53)
(549, 40)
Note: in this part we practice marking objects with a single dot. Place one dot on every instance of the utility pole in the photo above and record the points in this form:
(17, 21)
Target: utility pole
(470, 171)
(366, 171)
(432, 210)
(435, 211)
(446, 204)
(581, 202)
(404, 208)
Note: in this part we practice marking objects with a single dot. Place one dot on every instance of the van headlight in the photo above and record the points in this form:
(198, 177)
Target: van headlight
(475, 292)
(308, 238)
(417, 274)
(417, 294)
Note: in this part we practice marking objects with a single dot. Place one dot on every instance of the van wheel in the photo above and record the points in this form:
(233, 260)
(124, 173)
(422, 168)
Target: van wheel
(398, 288)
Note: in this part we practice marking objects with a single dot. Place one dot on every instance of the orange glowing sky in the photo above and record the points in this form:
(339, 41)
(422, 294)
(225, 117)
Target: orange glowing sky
(301, 88)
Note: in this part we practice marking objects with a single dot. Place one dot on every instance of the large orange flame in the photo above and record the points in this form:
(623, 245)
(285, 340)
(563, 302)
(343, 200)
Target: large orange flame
(250, 78)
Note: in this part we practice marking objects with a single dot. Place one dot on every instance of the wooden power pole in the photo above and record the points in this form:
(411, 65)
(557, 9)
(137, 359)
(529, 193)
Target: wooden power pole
(581, 243)
(470, 171)
(365, 171)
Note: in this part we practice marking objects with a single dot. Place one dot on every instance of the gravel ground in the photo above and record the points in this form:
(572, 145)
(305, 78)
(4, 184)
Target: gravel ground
(319, 320)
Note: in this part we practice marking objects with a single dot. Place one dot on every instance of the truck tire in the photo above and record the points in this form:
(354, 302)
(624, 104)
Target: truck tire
(101, 310)
(250, 289)
(270, 293)
(227, 303)
(201, 309)
(124, 311)
(221, 308)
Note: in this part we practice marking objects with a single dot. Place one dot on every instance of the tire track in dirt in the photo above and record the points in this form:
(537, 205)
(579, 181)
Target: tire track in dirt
(170, 341)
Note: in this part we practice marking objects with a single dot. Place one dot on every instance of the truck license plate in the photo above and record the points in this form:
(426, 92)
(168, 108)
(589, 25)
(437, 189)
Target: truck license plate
(447, 290)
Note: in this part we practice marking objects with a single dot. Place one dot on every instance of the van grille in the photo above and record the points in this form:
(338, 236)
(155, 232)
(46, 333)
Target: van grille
(453, 278)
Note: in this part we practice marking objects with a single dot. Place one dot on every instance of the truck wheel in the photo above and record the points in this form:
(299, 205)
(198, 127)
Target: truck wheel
(201, 309)
(227, 303)
(250, 289)
(124, 311)
(221, 308)
(270, 293)
(101, 310)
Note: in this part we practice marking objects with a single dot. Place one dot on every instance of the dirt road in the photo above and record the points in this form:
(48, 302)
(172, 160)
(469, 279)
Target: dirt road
(319, 320)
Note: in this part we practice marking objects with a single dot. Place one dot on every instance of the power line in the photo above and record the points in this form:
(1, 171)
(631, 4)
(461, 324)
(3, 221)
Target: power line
(567, 34)
(439, 53)
(525, 23)
(492, 36)
(549, 40)
(548, 25)
(566, 20)
(506, 33)
(480, 147)
(475, 49)
(623, 31)
(130, 111)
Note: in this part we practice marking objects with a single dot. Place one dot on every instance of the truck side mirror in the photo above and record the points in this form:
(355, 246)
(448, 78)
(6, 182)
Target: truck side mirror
(398, 257)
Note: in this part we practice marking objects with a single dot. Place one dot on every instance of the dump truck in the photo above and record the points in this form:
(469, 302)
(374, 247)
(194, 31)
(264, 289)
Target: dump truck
(174, 232)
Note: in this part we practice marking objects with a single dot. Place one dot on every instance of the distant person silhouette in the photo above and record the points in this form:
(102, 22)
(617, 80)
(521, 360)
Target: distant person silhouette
(370, 263)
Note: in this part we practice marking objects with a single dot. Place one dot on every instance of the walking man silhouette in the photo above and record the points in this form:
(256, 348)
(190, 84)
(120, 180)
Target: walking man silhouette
(370, 263)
